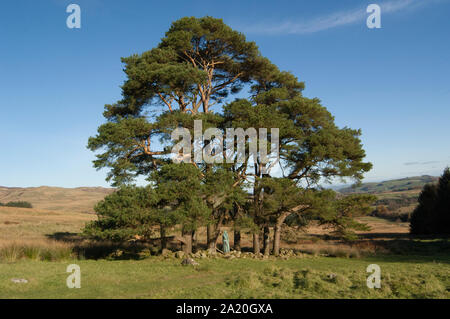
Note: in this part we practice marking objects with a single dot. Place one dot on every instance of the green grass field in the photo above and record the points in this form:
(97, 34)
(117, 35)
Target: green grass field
(409, 269)
(155, 277)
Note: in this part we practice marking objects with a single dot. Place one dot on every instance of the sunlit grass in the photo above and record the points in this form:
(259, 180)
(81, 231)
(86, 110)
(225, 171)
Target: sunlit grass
(155, 277)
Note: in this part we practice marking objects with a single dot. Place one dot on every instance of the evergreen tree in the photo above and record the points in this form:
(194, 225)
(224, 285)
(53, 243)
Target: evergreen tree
(193, 74)
(128, 213)
(432, 215)
(443, 204)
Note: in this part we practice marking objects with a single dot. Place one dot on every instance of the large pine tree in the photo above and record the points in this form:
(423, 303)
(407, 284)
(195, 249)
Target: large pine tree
(194, 74)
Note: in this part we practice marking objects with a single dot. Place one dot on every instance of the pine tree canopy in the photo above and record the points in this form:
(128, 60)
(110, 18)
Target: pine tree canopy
(204, 70)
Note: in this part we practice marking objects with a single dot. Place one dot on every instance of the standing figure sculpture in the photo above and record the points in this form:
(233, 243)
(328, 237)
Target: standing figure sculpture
(226, 242)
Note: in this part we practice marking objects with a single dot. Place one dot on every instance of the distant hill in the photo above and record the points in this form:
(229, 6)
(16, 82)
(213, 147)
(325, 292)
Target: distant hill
(79, 200)
(83, 199)
(395, 185)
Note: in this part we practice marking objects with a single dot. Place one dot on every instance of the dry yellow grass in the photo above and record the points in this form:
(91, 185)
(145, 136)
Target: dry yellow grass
(36, 224)
(11, 251)
(310, 239)
(30, 233)
(377, 225)
(32, 228)
(79, 200)
(66, 210)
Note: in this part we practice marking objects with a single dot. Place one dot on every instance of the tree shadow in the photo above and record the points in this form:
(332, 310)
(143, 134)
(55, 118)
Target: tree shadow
(415, 247)
(387, 236)
(104, 249)
(394, 247)
(66, 237)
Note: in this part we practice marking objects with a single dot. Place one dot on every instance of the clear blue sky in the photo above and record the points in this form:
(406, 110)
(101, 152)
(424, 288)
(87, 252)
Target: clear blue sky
(392, 82)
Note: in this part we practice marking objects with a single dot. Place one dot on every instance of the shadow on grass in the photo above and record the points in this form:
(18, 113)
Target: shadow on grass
(65, 237)
(385, 236)
(97, 249)
(390, 247)
(418, 247)
(401, 247)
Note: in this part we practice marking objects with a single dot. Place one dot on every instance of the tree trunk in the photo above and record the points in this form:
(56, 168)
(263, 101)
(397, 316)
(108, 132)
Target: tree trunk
(210, 238)
(194, 241)
(256, 195)
(256, 246)
(212, 234)
(276, 240)
(186, 244)
(162, 232)
(237, 240)
(277, 233)
(266, 240)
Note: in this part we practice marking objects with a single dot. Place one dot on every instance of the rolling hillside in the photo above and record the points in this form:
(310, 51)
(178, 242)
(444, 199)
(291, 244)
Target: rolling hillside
(83, 199)
(414, 184)
(397, 198)
(76, 200)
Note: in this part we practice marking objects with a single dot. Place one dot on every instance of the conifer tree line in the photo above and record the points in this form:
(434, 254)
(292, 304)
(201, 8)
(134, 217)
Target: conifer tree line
(432, 215)
(204, 70)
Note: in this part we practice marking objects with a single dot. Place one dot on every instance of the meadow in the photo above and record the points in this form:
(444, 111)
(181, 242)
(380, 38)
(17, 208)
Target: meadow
(59, 199)
(156, 277)
(38, 245)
